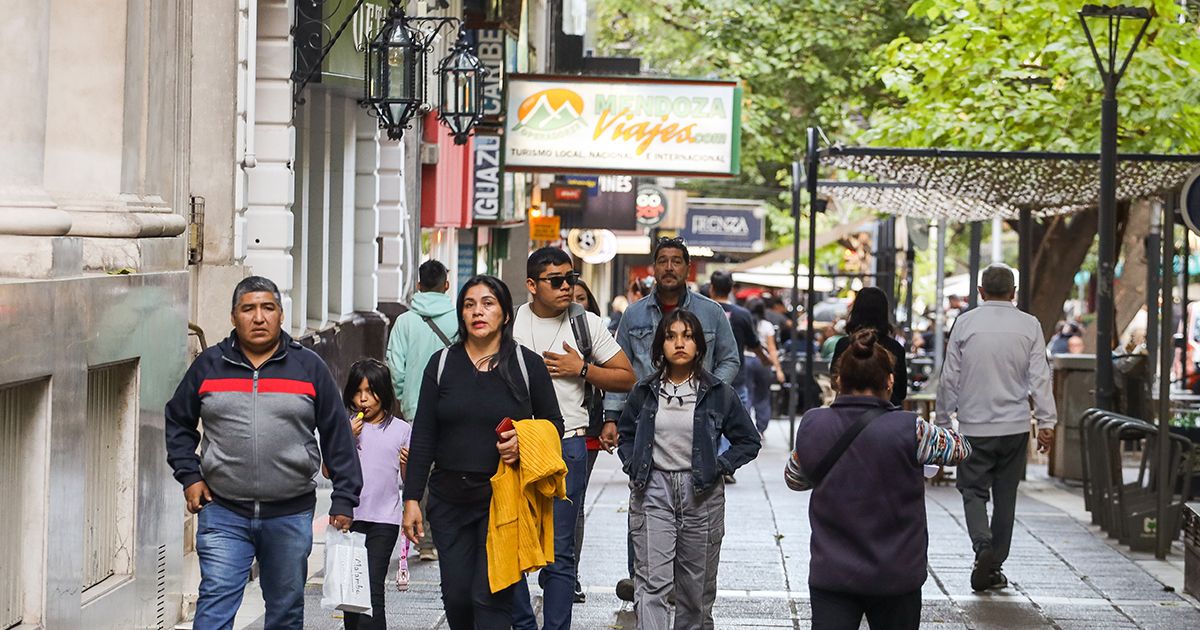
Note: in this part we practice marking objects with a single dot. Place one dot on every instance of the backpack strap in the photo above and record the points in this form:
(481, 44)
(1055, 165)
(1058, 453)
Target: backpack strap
(579, 328)
(843, 443)
(437, 331)
(441, 364)
(524, 370)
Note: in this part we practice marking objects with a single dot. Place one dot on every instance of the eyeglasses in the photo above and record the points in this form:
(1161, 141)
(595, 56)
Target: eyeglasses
(556, 282)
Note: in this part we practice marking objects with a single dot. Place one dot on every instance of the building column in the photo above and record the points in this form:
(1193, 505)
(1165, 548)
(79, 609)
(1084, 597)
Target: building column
(266, 220)
(366, 213)
(394, 216)
(26, 210)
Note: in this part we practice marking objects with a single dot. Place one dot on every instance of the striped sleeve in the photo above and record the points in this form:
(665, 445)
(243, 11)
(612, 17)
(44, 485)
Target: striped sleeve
(794, 476)
(938, 445)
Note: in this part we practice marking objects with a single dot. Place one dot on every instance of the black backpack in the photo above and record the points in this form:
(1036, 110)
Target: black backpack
(593, 397)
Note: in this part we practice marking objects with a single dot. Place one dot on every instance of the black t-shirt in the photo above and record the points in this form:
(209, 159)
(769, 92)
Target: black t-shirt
(744, 334)
(455, 427)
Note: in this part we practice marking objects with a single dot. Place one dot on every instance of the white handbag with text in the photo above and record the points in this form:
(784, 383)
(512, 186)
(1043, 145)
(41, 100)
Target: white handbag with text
(346, 583)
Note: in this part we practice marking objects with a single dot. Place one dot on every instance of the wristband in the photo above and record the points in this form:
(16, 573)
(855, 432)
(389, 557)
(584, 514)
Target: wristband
(583, 371)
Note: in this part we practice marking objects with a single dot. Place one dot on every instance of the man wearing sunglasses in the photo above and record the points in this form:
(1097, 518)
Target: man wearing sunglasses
(635, 335)
(582, 357)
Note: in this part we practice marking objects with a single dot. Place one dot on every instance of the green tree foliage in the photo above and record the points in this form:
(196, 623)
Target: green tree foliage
(997, 74)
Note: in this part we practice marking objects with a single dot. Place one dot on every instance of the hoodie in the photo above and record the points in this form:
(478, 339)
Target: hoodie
(412, 342)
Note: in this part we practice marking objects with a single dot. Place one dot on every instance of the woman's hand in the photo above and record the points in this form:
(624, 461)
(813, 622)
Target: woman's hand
(414, 527)
(403, 456)
(509, 451)
(779, 376)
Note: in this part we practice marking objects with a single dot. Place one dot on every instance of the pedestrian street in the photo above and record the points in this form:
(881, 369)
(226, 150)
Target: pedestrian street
(1063, 572)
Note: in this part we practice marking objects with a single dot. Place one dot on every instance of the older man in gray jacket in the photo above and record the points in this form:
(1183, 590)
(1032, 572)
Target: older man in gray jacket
(995, 366)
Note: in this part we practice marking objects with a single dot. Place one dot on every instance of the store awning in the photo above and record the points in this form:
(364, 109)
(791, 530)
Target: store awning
(785, 253)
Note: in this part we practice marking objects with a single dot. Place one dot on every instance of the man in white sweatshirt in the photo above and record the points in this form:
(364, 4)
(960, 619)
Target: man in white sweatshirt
(995, 367)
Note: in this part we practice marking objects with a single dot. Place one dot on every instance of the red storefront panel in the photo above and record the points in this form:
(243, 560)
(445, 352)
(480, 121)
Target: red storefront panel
(446, 186)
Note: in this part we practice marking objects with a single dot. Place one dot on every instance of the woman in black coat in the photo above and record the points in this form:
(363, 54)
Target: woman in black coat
(871, 312)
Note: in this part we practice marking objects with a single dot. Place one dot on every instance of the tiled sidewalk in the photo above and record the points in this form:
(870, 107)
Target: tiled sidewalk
(1063, 573)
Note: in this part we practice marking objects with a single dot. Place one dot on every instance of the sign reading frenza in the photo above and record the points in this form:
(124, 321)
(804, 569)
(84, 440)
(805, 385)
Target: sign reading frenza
(622, 125)
(725, 227)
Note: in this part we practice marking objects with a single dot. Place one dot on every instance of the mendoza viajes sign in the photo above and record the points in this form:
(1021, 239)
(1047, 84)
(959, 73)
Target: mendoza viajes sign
(622, 125)
(725, 227)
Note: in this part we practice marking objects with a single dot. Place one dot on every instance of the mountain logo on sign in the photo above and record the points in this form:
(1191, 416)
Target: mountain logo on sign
(553, 113)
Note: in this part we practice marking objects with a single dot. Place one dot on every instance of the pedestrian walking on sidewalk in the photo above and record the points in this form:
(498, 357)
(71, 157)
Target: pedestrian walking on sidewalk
(763, 373)
(635, 335)
(261, 395)
(669, 435)
(429, 325)
(583, 360)
(382, 442)
(863, 459)
(467, 390)
(995, 365)
(870, 311)
(601, 436)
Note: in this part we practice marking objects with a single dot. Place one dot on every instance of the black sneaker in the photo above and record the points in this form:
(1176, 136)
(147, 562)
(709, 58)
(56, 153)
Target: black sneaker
(625, 589)
(998, 579)
(981, 573)
(580, 596)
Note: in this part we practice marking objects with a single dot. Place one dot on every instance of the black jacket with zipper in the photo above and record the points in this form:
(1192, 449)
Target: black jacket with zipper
(258, 453)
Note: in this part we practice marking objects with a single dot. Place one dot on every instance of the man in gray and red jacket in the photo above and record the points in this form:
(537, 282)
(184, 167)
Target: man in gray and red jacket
(260, 396)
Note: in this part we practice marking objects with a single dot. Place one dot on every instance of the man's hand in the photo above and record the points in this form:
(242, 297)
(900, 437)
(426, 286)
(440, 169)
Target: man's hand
(356, 424)
(1045, 437)
(197, 496)
(608, 436)
(340, 521)
(565, 365)
(509, 451)
(414, 527)
(780, 377)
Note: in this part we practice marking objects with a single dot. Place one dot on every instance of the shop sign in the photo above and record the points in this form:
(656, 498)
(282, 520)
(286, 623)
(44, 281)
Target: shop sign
(488, 182)
(622, 125)
(608, 202)
(490, 48)
(725, 228)
(344, 65)
(651, 205)
(544, 228)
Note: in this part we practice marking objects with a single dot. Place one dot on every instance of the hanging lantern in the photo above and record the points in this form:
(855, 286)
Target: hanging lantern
(462, 77)
(392, 83)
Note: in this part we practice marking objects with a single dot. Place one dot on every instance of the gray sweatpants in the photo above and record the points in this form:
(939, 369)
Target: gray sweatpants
(994, 469)
(676, 537)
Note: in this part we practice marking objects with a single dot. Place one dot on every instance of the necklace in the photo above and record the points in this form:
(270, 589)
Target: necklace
(562, 321)
(676, 396)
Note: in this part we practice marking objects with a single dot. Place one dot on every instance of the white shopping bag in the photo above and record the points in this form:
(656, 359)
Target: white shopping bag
(346, 585)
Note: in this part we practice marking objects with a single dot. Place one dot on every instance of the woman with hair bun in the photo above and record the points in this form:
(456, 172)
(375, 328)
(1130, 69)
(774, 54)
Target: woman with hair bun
(863, 459)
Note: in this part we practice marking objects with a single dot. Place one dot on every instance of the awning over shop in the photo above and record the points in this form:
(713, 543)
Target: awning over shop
(974, 185)
(785, 253)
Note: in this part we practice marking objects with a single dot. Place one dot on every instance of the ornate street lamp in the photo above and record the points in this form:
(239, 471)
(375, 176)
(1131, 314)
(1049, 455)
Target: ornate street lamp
(462, 89)
(393, 59)
(1111, 64)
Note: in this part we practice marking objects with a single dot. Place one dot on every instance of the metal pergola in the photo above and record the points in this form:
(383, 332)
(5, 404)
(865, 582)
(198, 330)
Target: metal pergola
(967, 186)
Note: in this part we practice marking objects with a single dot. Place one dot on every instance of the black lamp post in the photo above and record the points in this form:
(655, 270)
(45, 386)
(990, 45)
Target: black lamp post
(1112, 66)
(462, 89)
(393, 59)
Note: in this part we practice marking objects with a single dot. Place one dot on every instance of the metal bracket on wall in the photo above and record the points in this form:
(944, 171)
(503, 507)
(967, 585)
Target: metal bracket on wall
(307, 34)
(196, 231)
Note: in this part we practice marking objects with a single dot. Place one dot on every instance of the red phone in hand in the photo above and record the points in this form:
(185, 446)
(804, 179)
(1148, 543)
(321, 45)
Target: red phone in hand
(505, 425)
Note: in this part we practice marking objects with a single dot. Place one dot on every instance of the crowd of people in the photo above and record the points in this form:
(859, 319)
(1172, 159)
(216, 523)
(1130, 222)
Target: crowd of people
(475, 442)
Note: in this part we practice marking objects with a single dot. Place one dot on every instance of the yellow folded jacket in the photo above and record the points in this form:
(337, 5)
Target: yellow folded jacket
(521, 516)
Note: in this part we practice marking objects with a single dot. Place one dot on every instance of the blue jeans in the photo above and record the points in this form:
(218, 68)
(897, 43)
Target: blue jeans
(558, 579)
(227, 544)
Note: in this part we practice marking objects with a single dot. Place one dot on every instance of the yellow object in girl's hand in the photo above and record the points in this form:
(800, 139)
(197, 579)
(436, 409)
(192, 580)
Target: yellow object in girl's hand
(356, 424)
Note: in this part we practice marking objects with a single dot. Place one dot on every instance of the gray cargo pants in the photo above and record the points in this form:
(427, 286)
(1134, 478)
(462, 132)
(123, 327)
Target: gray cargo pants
(994, 469)
(676, 536)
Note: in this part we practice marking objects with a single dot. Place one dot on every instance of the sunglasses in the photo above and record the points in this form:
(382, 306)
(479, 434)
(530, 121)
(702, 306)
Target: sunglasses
(556, 282)
(671, 241)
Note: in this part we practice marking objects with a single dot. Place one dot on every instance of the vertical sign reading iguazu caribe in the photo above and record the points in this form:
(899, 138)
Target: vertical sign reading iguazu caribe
(626, 125)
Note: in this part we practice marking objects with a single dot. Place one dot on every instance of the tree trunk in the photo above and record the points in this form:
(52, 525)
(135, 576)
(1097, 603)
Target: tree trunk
(1130, 292)
(1057, 255)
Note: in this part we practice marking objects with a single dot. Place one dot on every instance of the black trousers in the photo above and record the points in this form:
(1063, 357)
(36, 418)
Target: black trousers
(381, 541)
(844, 611)
(993, 471)
(460, 536)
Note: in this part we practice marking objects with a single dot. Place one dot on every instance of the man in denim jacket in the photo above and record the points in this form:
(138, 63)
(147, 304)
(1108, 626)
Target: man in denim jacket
(635, 334)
